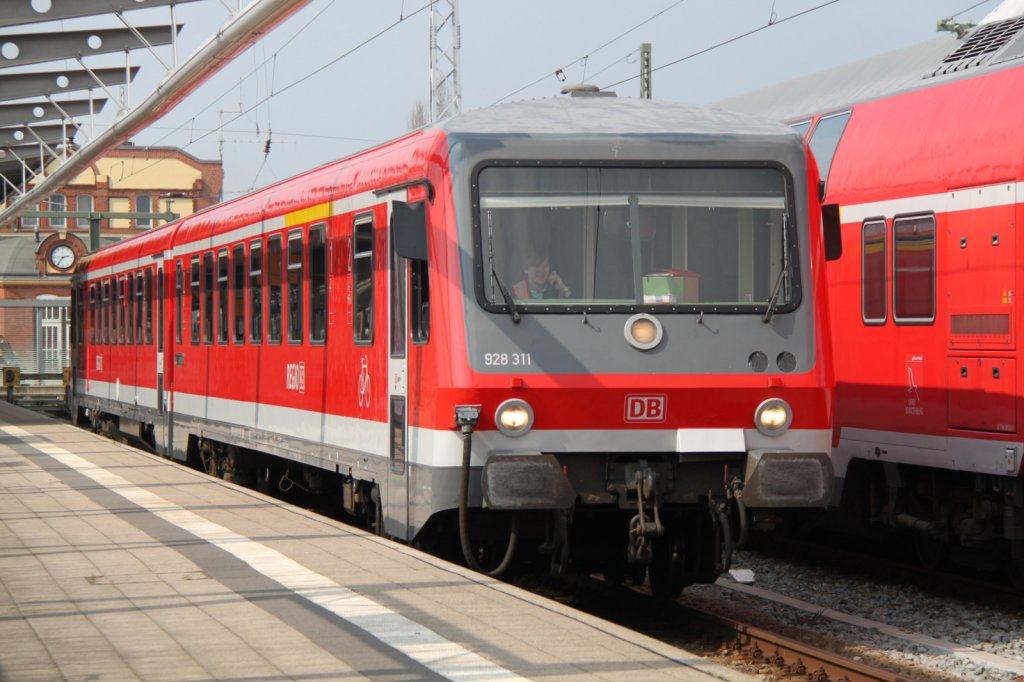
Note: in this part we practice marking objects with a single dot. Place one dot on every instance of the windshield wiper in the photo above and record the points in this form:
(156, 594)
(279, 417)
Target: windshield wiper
(509, 303)
(505, 295)
(773, 300)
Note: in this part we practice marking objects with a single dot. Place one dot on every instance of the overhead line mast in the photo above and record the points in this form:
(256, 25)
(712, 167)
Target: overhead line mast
(445, 42)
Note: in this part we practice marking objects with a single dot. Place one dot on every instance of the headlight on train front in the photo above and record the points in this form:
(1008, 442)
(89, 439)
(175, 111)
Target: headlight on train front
(773, 417)
(514, 417)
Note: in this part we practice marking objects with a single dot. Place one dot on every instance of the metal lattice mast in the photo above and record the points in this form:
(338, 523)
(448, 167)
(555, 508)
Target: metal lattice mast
(645, 70)
(445, 40)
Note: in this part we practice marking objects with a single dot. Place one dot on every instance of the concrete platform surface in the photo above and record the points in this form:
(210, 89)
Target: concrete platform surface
(119, 565)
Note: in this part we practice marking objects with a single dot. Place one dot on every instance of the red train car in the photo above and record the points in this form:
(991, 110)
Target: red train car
(587, 325)
(924, 155)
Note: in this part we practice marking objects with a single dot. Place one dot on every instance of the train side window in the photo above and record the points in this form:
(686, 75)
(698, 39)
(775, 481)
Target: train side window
(398, 272)
(178, 291)
(92, 313)
(149, 307)
(801, 126)
(274, 283)
(362, 275)
(140, 307)
(420, 314)
(317, 284)
(295, 298)
(208, 298)
(193, 293)
(106, 312)
(119, 303)
(825, 139)
(256, 292)
(129, 304)
(913, 269)
(222, 297)
(872, 264)
(238, 293)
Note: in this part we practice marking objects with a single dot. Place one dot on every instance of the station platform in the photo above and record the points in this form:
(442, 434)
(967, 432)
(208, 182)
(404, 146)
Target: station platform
(119, 565)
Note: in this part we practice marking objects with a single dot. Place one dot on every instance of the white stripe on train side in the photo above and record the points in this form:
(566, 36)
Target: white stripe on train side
(966, 199)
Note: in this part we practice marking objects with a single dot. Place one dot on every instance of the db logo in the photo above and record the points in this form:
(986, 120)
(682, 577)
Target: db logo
(646, 408)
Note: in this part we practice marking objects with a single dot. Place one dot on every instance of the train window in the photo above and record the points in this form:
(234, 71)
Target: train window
(295, 298)
(801, 127)
(256, 291)
(194, 319)
(362, 275)
(419, 324)
(317, 283)
(119, 304)
(178, 295)
(129, 304)
(913, 269)
(825, 139)
(222, 296)
(238, 293)
(556, 239)
(873, 264)
(397, 273)
(92, 313)
(106, 312)
(140, 307)
(274, 283)
(208, 298)
(149, 307)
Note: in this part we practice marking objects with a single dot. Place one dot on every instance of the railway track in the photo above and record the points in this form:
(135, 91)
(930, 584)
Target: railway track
(789, 658)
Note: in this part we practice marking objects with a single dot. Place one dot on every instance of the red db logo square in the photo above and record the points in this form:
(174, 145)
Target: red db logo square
(646, 408)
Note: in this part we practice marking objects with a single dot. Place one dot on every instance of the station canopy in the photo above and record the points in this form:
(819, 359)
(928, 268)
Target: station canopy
(63, 62)
(57, 75)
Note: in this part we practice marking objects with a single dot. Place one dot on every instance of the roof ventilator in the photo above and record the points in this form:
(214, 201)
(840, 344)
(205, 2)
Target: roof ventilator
(988, 44)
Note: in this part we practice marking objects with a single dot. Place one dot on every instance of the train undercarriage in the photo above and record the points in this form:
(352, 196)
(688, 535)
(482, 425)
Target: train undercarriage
(954, 518)
(634, 519)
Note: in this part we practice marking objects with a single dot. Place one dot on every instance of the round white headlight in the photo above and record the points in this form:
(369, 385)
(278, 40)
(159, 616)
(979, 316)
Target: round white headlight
(773, 417)
(643, 331)
(514, 417)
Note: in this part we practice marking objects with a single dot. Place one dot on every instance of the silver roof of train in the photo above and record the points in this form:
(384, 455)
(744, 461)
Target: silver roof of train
(597, 115)
(992, 45)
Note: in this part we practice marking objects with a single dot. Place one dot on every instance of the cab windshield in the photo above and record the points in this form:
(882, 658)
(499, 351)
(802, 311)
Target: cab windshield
(556, 238)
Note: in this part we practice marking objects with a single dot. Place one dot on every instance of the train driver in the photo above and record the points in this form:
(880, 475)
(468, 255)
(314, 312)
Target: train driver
(540, 281)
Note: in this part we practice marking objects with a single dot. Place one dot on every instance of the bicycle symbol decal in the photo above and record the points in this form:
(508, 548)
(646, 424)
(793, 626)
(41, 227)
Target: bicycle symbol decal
(364, 384)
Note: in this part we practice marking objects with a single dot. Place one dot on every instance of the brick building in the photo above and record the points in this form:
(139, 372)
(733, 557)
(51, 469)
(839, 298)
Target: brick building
(38, 255)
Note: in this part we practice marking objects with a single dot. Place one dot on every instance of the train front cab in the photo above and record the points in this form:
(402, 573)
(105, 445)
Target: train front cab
(684, 370)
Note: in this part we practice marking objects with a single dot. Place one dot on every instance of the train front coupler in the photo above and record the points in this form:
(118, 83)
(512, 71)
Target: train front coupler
(643, 529)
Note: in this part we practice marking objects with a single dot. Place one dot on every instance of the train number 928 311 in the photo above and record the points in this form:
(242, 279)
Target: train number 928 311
(507, 359)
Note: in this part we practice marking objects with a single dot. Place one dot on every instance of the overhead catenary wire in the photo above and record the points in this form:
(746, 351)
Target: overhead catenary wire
(723, 43)
(561, 70)
(245, 110)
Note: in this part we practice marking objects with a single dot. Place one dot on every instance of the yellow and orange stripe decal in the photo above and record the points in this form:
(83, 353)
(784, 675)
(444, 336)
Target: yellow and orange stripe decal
(308, 215)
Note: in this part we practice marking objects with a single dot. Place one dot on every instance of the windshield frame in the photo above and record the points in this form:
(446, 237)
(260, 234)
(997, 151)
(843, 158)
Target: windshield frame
(482, 268)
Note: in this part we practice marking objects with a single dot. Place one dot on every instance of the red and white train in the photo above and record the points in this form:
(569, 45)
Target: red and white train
(923, 151)
(353, 330)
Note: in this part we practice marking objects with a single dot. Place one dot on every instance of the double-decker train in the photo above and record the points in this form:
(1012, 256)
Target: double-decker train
(587, 326)
(923, 151)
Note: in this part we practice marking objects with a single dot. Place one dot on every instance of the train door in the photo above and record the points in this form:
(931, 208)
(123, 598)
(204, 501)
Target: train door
(981, 375)
(398, 474)
(162, 435)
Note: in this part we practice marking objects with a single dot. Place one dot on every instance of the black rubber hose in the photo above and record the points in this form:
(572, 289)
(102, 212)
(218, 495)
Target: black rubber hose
(467, 547)
(727, 546)
(741, 510)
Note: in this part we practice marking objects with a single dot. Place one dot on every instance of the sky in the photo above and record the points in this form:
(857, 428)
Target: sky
(340, 76)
